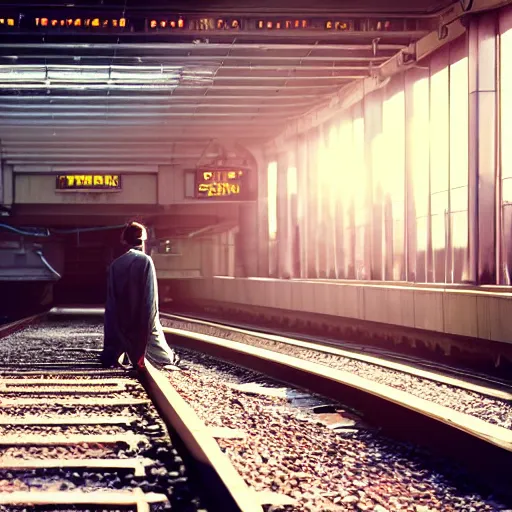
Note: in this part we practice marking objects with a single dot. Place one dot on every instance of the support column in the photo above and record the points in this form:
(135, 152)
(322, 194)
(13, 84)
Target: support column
(248, 240)
(302, 203)
(483, 64)
(312, 270)
(262, 216)
(283, 224)
(7, 186)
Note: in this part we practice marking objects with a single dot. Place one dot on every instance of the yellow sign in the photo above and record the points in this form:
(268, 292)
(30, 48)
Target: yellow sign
(88, 182)
(81, 22)
(219, 189)
(219, 182)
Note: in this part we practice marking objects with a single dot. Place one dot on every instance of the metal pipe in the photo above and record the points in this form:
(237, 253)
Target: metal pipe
(48, 144)
(177, 69)
(59, 109)
(202, 47)
(108, 114)
(27, 156)
(154, 98)
(104, 87)
(154, 80)
(115, 133)
(191, 59)
(47, 264)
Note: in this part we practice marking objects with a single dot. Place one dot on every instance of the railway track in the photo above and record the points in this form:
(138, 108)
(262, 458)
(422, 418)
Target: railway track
(437, 372)
(482, 447)
(280, 459)
(76, 436)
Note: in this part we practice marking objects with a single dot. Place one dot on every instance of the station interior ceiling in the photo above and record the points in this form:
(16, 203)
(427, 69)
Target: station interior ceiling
(160, 99)
(113, 101)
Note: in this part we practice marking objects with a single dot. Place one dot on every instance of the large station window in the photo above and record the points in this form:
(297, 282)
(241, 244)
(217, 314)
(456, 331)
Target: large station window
(506, 146)
(272, 217)
(383, 189)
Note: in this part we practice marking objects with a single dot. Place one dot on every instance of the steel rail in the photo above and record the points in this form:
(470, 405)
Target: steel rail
(483, 448)
(218, 475)
(226, 489)
(405, 365)
(18, 325)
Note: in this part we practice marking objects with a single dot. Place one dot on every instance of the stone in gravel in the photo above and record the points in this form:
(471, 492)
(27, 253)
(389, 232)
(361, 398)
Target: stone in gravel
(158, 471)
(350, 499)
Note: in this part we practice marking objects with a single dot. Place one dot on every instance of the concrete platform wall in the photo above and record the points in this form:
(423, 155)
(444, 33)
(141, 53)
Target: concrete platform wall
(468, 312)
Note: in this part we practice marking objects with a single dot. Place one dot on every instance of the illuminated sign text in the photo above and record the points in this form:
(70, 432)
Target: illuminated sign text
(93, 182)
(73, 20)
(220, 183)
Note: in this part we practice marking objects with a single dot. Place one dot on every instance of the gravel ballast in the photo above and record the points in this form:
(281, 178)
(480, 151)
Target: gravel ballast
(286, 450)
(143, 437)
(492, 410)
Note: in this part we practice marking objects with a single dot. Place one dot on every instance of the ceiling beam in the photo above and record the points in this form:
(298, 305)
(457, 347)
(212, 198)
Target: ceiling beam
(158, 97)
(254, 47)
(192, 59)
(159, 132)
(7, 116)
(164, 87)
(100, 155)
(157, 110)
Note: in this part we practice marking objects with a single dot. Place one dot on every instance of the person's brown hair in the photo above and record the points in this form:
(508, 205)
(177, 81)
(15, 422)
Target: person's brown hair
(134, 234)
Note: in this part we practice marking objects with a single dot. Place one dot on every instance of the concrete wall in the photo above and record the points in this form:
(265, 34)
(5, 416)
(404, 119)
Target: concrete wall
(40, 189)
(477, 313)
(171, 185)
(6, 179)
(195, 259)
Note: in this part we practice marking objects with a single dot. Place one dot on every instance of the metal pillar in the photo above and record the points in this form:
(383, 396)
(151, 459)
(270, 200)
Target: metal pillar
(262, 219)
(483, 66)
(283, 224)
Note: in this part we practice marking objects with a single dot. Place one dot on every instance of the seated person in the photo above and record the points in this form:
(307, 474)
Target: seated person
(132, 322)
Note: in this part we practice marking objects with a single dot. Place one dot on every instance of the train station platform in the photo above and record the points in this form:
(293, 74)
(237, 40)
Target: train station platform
(348, 165)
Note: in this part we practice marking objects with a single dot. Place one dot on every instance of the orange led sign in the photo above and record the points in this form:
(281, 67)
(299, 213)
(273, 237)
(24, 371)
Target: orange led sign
(89, 182)
(80, 22)
(220, 183)
(89, 20)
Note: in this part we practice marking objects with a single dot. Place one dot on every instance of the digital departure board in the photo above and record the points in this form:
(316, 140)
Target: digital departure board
(89, 182)
(82, 20)
(225, 183)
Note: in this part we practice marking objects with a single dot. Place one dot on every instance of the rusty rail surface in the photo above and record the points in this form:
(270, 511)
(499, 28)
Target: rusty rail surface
(18, 325)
